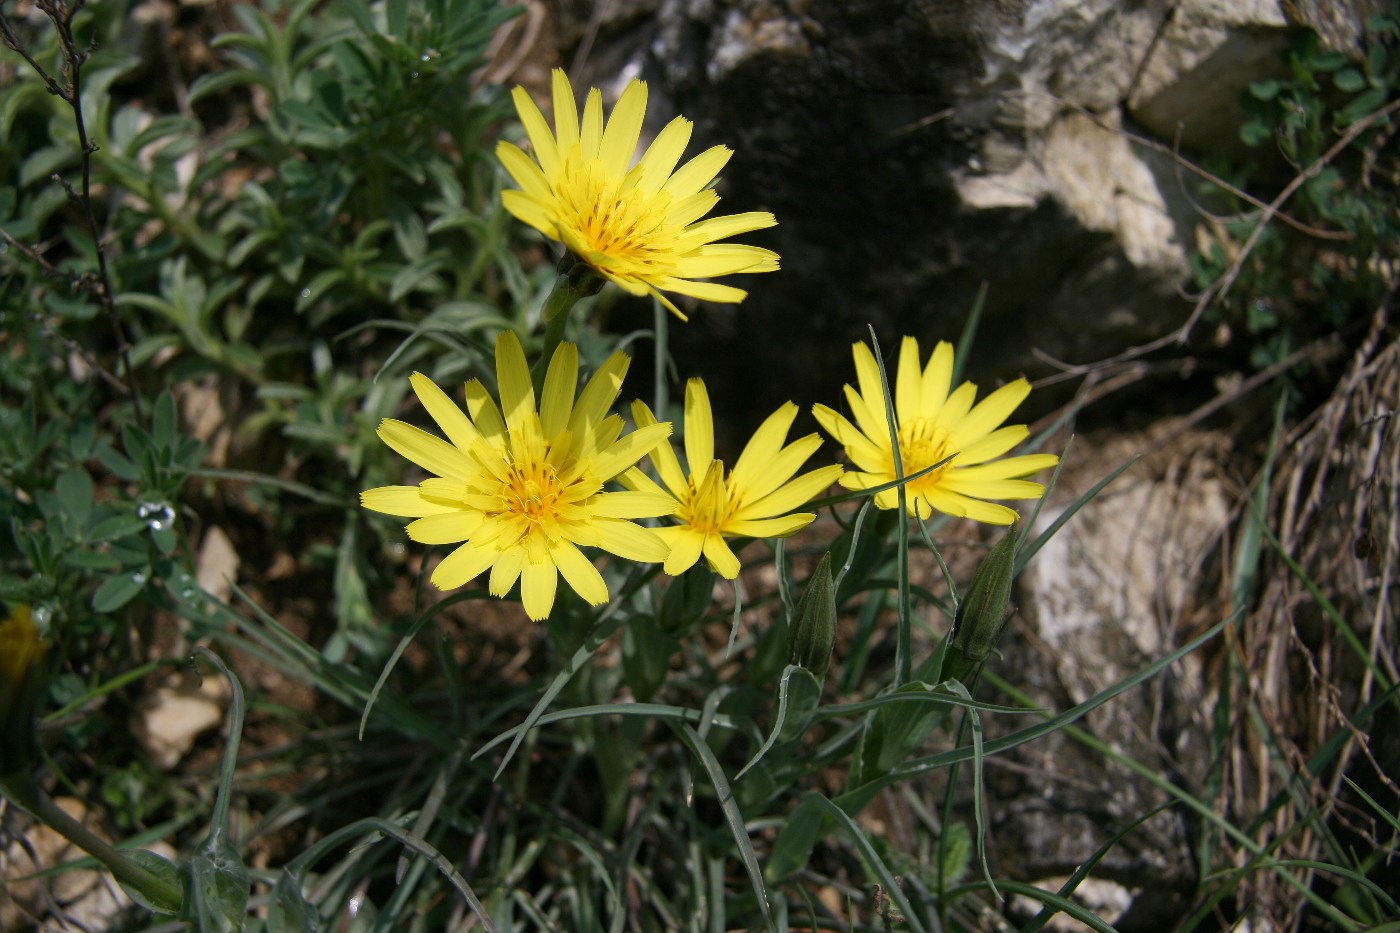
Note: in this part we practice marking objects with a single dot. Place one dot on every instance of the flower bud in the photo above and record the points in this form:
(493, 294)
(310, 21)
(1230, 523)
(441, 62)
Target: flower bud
(984, 612)
(812, 633)
(21, 654)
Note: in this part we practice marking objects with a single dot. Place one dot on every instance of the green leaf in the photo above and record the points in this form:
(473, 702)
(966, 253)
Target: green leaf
(646, 656)
(163, 421)
(1255, 133)
(162, 868)
(287, 910)
(687, 599)
(792, 850)
(75, 492)
(116, 591)
(216, 888)
(799, 693)
(1349, 80)
(1265, 90)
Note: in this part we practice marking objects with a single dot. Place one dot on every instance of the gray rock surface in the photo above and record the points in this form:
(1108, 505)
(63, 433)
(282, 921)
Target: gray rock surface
(915, 150)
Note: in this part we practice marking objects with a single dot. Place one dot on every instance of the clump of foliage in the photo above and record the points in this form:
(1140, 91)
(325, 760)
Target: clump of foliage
(1322, 254)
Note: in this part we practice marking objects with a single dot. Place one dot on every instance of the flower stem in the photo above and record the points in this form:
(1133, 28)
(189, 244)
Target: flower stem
(576, 281)
(21, 791)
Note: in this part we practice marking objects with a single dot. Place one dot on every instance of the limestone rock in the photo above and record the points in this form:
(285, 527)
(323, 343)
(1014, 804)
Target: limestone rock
(168, 722)
(913, 151)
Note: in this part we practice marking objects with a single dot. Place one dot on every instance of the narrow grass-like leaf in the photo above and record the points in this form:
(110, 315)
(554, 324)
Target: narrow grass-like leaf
(872, 859)
(1031, 733)
(299, 865)
(779, 718)
(1085, 867)
(1029, 549)
(1198, 806)
(656, 710)
(1061, 904)
(904, 662)
(737, 827)
(979, 814)
(1380, 810)
(595, 640)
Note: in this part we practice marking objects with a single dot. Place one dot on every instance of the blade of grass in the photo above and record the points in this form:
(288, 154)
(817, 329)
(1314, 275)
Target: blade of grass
(735, 819)
(872, 860)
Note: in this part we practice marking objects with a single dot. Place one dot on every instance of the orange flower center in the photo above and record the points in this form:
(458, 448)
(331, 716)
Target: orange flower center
(922, 443)
(708, 505)
(624, 232)
(532, 491)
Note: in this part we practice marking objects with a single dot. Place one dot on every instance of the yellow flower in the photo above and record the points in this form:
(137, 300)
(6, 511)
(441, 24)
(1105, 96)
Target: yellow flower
(933, 425)
(638, 225)
(521, 493)
(21, 649)
(752, 502)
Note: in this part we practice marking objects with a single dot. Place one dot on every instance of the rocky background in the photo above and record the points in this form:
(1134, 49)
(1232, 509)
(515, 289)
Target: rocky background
(915, 152)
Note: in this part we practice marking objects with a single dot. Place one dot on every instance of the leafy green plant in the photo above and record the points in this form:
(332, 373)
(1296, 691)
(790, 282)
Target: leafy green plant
(1330, 121)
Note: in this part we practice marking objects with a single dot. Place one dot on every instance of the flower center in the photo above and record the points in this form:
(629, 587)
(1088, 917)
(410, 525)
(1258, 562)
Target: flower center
(622, 229)
(707, 507)
(532, 492)
(922, 443)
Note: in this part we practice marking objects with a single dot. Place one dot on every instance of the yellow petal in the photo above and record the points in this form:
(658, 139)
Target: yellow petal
(752, 466)
(560, 381)
(528, 210)
(481, 408)
(988, 488)
(513, 381)
(662, 156)
(565, 111)
(725, 259)
(629, 449)
(599, 393)
(779, 527)
(591, 130)
(453, 421)
(524, 170)
(721, 558)
(633, 504)
(463, 564)
(578, 571)
(506, 570)
(629, 540)
(431, 453)
(624, 129)
(792, 494)
(908, 382)
(1008, 468)
(406, 501)
(718, 228)
(444, 529)
(957, 407)
(989, 413)
(686, 210)
(699, 426)
(663, 457)
(538, 584)
(705, 291)
(698, 172)
(686, 546)
(938, 380)
(991, 446)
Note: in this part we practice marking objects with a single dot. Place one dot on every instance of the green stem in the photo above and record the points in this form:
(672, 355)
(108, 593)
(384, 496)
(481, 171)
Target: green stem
(576, 281)
(23, 792)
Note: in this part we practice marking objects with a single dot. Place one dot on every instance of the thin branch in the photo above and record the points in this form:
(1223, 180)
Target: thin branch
(100, 285)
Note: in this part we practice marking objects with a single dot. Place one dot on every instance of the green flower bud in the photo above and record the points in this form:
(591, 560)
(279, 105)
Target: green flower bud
(984, 611)
(812, 633)
(21, 681)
